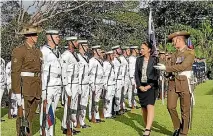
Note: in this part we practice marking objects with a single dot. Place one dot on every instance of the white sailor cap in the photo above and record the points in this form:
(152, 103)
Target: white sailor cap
(82, 42)
(109, 52)
(71, 38)
(96, 47)
(116, 47)
(125, 47)
(133, 47)
(53, 32)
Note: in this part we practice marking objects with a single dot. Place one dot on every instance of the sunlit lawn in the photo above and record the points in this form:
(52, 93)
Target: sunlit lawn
(131, 124)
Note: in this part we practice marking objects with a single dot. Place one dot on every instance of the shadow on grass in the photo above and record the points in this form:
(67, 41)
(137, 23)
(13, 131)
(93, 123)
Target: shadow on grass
(4, 111)
(36, 124)
(59, 113)
(36, 121)
(137, 117)
(130, 121)
(160, 129)
(210, 92)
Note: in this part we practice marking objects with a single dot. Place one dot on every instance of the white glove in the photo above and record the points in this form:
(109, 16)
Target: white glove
(133, 81)
(92, 87)
(43, 95)
(68, 91)
(160, 66)
(18, 99)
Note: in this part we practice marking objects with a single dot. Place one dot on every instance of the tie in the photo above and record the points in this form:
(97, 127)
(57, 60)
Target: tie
(55, 51)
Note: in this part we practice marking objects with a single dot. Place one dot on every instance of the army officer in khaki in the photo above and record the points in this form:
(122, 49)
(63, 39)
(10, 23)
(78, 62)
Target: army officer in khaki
(179, 82)
(25, 75)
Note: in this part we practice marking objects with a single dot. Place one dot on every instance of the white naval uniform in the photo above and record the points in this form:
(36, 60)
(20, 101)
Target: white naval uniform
(83, 86)
(131, 95)
(54, 86)
(109, 85)
(2, 79)
(70, 73)
(96, 73)
(127, 80)
(119, 81)
(14, 107)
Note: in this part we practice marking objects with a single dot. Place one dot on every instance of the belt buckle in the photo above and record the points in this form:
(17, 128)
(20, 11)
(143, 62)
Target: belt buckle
(36, 74)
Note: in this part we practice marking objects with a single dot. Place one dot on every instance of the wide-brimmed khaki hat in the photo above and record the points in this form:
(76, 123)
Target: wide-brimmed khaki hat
(30, 30)
(180, 33)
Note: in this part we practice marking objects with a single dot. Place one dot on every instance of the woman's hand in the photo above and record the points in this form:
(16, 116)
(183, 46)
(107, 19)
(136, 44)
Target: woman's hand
(142, 88)
(147, 87)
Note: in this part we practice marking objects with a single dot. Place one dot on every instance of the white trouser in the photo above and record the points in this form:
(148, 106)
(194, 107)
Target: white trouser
(1, 92)
(14, 108)
(83, 103)
(109, 97)
(131, 97)
(53, 96)
(73, 105)
(97, 90)
(118, 95)
(127, 89)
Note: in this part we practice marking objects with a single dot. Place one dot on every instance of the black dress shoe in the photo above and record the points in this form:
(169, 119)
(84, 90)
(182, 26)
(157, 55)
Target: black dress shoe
(85, 126)
(176, 132)
(112, 117)
(117, 113)
(65, 131)
(76, 131)
(113, 113)
(137, 107)
(99, 120)
(125, 110)
(121, 112)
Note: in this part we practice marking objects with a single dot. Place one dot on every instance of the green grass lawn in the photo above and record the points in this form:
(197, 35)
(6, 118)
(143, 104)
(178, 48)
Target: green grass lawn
(131, 124)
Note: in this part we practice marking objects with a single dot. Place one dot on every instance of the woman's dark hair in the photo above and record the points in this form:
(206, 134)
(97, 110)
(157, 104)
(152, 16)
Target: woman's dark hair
(148, 44)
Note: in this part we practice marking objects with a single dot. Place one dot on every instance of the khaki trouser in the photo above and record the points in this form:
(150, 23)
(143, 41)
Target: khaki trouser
(30, 106)
(185, 110)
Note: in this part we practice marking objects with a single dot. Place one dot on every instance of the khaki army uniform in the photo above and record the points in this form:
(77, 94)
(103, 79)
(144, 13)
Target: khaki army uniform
(25, 75)
(181, 62)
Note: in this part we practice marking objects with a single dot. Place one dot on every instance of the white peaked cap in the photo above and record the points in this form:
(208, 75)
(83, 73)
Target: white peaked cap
(109, 52)
(116, 47)
(82, 41)
(56, 32)
(96, 47)
(71, 38)
(133, 47)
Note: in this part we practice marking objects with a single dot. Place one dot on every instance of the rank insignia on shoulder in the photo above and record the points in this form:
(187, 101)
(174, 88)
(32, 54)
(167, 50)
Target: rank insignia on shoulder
(15, 60)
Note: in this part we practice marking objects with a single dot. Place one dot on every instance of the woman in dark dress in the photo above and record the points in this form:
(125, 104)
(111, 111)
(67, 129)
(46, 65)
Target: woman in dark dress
(146, 77)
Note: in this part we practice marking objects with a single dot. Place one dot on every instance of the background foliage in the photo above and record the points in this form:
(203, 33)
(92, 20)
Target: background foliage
(124, 22)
